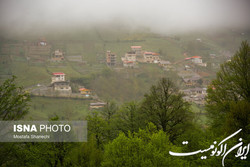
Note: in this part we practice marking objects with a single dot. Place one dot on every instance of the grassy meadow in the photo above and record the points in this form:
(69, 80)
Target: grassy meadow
(43, 108)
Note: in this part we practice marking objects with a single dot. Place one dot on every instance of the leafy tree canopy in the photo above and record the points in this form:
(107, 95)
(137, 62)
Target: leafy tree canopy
(164, 106)
(13, 100)
(229, 94)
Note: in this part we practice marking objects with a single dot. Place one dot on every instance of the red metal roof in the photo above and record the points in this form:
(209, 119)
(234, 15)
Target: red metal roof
(193, 57)
(83, 89)
(196, 57)
(156, 54)
(58, 73)
(128, 62)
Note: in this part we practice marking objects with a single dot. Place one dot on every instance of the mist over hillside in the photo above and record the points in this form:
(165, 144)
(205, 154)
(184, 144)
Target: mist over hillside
(164, 17)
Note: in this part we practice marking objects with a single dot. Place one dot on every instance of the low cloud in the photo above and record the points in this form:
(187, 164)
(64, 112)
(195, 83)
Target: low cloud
(162, 16)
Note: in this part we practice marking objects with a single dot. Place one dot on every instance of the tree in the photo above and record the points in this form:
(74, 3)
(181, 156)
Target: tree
(233, 80)
(165, 107)
(13, 100)
(129, 118)
(239, 117)
(231, 88)
(13, 106)
(108, 115)
(109, 111)
(102, 125)
(85, 154)
(145, 148)
(96, 127)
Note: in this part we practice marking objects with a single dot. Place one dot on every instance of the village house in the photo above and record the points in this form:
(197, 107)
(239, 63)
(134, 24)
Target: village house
(166, 65)
(196, 60)
(42, 42)
(57, 55)
(130, 56)
(134, 55)
(151, 57)
(62, 86)
(59, 84)
(191, 81)
(58, 77)
(129, 64)
(85, 91)
(137, 50)
(110, 58)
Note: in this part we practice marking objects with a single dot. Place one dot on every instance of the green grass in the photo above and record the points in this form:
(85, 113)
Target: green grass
(29, 75)
(127, 84)
(68, 69)
(42, 108)
(196, 109)
(170, 49)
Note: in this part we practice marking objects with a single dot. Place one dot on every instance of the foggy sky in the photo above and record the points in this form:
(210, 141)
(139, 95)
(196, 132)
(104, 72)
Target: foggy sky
(162, 16)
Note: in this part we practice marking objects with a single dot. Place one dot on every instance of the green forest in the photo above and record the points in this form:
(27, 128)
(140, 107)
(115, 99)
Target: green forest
(142, 132)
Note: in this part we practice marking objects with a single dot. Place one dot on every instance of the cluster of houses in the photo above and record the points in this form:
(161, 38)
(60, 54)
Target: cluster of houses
(195, 95)
(193, 82)
(137, 55)
(42, 50)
